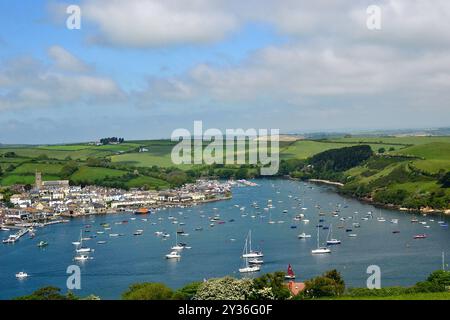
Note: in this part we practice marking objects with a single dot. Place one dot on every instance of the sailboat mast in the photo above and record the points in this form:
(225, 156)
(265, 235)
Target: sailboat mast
(250, 240)
(317, 237)
(443, 261)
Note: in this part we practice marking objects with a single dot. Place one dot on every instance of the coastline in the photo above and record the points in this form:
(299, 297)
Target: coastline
(165, 206)
(425, 210)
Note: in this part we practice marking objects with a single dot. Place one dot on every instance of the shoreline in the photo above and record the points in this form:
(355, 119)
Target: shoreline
(167, 206)
(426, 210)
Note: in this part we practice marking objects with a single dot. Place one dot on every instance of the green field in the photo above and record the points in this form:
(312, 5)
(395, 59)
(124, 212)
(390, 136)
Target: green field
(91, 174)
(149, 181)
(306, 148)
(45, 168)
(23, 179)
(429, 155)
(146, 159)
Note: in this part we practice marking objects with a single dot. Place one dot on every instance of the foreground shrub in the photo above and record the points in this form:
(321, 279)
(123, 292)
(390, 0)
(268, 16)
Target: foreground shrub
(148, 291)
(226, 288)
(270, 286)
(48, 293)
(187, 292)
(330, 284)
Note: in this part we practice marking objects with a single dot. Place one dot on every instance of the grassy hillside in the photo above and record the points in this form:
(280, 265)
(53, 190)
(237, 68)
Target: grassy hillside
(406, 173)
(410, 182)
(89, 175)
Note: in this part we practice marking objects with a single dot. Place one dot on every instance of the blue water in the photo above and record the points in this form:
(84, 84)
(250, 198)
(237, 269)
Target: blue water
(128, 259)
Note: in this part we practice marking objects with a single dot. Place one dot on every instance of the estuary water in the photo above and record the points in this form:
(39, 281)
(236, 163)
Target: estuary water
(215, 250)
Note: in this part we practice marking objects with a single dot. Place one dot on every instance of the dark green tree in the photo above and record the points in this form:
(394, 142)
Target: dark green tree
(148, 291)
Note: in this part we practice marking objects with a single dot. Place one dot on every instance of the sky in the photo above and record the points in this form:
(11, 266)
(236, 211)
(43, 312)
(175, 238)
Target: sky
(140, 69)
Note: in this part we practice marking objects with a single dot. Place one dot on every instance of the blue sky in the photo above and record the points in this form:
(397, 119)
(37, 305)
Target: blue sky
(142, 68)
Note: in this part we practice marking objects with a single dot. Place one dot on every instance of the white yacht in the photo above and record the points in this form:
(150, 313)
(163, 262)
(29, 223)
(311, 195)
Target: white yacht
(245, 256)
(332, 241)
(304, 235)
(21, 275)
(80, 248)
(250, 253)
(173, 255)
(177, 246)
(81, 257)
(320, 250)
(255, 261)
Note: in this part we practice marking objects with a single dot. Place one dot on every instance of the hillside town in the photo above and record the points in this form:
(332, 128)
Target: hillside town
(52, 201)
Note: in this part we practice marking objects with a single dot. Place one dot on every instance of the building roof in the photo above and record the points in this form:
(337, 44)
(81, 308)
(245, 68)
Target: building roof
(295, 287)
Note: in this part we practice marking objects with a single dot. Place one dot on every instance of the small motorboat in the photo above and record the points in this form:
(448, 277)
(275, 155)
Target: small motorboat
(142, 211)
(420, 236)
(333, 242)
(396, 231)
(21, 275)
(304, 235)
(84, 250)
(42, 244)
(81, 257)
(255, 261)
(173, 255)
(321, 250)
(177, 247)
(253, 268)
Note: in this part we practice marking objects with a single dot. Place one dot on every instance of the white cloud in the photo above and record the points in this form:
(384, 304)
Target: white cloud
(29, 83)
(64, 60)
(139, 23)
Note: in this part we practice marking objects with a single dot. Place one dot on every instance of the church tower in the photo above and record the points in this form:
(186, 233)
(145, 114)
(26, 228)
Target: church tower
(38, 178)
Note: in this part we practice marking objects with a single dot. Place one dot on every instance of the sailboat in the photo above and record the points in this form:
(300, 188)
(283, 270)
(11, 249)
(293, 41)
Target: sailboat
(177, 246)
(331, 240)
(270, 218)
(290, 273)
(80, 248)
(250, 253)
(245, 255)
(320, 250)
(380, 218)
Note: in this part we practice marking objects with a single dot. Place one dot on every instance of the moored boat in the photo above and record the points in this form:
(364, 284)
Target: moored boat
(290, 275)
(142, 211)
